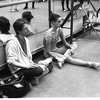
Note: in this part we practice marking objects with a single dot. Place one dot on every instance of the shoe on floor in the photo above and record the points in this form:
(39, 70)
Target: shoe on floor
(35, 81)
(25, 8)
(95, 65)
(12, 10)
(64, 10)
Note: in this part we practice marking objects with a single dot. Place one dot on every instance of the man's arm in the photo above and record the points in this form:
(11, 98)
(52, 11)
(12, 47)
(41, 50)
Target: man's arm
(11, 55)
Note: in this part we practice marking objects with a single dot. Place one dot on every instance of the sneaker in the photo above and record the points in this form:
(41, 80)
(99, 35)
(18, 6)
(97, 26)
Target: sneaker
(12, 10)
(64, 10)
(35, 81)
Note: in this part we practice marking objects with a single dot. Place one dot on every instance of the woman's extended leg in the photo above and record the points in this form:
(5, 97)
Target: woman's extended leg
(75, 61)
(79, 62)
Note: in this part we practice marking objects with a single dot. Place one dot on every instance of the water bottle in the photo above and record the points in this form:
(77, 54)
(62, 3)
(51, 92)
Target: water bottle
(74, 46)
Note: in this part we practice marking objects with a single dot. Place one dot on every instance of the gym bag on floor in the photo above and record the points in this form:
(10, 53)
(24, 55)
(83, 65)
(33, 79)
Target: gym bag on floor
(14, 86)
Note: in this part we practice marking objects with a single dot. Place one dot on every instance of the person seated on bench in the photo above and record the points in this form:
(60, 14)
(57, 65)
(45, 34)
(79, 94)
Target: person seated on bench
(19, 57)
(61, 54)
(5, 35)
(27, 16)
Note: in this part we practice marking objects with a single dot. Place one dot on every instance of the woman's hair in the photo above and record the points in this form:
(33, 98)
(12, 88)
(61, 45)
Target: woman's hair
(4, 25)
(27, 15)
(18, 25)
(53, 17)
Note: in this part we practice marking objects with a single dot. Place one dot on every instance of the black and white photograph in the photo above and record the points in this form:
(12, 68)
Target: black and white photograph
(49, 49)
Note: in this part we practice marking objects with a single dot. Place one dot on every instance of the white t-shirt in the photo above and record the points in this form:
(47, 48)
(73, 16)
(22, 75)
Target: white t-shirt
(32, 29)
(4, 37)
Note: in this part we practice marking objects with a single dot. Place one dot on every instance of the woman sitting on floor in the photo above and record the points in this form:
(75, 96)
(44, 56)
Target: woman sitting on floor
(63, 53)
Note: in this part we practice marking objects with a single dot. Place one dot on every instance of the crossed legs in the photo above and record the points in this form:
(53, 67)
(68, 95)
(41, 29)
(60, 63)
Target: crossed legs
(63, 55)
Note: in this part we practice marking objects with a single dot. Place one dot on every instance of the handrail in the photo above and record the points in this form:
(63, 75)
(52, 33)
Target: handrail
(15, 3)
(69, 14)
(92, 5)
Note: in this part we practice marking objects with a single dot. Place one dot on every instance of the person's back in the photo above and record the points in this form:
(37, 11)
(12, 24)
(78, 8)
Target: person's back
(32, 28)
(27, 16)
(5, 35)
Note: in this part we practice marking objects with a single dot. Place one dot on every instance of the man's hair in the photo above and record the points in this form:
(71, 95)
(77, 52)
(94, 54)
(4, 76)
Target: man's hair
(4, 25)
(18, 25)
(27, 15)
(53, 17)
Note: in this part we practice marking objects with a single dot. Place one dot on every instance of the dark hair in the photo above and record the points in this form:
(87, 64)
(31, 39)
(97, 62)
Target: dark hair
(18, 25)
(4, 25)
(27, 15)
(53, 17)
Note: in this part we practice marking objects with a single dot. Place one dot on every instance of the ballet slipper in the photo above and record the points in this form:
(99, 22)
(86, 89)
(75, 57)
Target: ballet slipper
(95, 65)
(60, 62)
(46, 61)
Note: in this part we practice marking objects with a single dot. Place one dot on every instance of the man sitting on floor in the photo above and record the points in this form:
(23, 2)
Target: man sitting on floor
(19, 57)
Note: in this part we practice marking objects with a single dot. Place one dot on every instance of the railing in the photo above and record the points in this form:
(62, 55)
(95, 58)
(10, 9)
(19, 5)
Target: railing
(15, 3)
